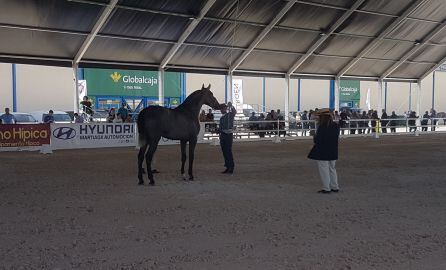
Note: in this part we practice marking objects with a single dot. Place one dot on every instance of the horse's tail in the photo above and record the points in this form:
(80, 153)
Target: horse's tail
(141, 130)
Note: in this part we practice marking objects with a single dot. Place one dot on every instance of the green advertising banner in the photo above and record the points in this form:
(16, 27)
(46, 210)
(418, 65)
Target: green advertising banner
(350, 93)
(132, 83)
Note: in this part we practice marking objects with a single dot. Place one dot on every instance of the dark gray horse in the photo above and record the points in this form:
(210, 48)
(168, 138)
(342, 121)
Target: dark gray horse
(180, 123)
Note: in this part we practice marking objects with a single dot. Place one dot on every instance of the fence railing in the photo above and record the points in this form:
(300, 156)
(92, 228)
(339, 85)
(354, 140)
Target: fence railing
(266, 129)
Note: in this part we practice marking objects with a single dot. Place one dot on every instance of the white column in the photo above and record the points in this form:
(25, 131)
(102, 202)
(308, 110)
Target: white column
(161, 87)
(380, 97)
(337, 92)
(229, 87)
(419, 98)
(287, 97)
(76, 90)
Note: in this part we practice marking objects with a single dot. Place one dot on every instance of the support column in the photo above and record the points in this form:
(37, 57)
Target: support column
(433, 89)
(287, 97)
(76, 88)
(410, 96)
(298, 95)
(229, 87)
(380, 97)
(337, 93)
(264, 94)
(419, 98)
(161, 87)
(385, 97)
(14, 88)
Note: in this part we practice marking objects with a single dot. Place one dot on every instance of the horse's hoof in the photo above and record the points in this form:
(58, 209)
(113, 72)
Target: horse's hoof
(140, 183)
(184, 177)
(152, 183)
(155, 171)
(191, 178)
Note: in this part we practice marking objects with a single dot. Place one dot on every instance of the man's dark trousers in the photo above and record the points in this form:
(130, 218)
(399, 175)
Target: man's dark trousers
(226, 148)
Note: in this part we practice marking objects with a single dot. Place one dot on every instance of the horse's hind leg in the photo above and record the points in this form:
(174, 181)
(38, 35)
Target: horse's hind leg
(149, 156)
(142, 152)
(183, 158)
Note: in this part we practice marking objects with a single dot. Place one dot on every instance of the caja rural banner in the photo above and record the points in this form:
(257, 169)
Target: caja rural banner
(92, 135)
(19, 136)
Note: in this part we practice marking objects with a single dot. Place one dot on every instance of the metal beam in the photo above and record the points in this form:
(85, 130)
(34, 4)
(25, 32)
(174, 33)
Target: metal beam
(381, 36)
(97, 26)
(323, 37)
(415, 49)
(262, 35)
(190, 28)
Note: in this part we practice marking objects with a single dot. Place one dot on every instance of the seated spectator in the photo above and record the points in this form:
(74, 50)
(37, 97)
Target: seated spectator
(7, 118)
(262, 125)
(253, 118)
(49, 118)
(78, 118)
(123, 112)
(86, 106)
(412, 121)
(425, 121)
(210, 116)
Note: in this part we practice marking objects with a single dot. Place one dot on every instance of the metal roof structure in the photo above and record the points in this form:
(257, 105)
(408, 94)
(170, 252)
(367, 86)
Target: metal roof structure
(402, 40)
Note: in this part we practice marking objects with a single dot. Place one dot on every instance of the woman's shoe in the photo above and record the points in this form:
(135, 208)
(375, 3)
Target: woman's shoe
(324, 191)
(335, 190)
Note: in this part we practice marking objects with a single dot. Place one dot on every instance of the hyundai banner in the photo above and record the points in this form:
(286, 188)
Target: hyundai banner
(92, 135)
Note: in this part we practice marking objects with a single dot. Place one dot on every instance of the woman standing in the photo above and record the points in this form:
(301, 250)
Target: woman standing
(325, 151)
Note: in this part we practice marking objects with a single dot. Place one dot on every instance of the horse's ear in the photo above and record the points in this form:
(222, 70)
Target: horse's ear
(202, 87)
(209, 87)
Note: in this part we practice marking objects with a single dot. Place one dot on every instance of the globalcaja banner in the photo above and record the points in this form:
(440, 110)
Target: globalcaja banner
(350, 93)
(23, 136)
(92, 135)
(134, 83)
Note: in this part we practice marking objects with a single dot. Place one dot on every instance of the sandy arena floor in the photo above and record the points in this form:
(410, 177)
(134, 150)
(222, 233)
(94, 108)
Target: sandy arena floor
(82, 209)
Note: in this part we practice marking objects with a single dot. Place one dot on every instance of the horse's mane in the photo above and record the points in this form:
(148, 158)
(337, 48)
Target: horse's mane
(191, 99)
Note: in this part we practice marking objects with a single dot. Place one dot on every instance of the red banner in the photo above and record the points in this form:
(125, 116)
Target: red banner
(24, 135)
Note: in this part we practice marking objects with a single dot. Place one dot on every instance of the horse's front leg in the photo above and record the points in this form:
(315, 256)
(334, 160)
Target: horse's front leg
(142, 152)
(192, 144)
(183, 158)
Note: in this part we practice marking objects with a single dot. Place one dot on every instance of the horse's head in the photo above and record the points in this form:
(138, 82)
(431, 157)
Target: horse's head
(208, 98)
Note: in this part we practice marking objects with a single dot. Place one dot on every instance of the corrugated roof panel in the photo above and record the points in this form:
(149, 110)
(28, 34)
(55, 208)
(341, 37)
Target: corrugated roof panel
(389, 49)
(50, 14)
(369, 68)
(259, 11)
(410, 71)
(303, 16)
(433, 10)
(288, 40)
(147, 25)
(266, 61)
(322, 65)
(339, 3)
(394, 7)
(229, 34)
(365, 24)
(429, 54)
(343, 46)
(126, 50)
(24, 42)
(186, 7)
(412, 30)
(205, 57)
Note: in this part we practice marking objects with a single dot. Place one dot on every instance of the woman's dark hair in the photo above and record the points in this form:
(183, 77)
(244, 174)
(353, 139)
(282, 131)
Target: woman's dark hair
(325, 120)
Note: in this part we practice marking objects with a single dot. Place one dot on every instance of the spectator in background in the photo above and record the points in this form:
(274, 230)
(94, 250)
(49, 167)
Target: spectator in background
(111, 115)
(364, 122)
(78, 118)
(252, 119)
(393, 123)
(433, 115)
(7, 118)
(86, 106)
(425, 121)
(354, 124)
(202, 116)
(49, 118)
(210, 116)
(304, 119)
(384, 121)
(325, 151)
(375, 120)
(118, 118)
(261, 125)
(123, 112)
(343, 121)
(129, 119)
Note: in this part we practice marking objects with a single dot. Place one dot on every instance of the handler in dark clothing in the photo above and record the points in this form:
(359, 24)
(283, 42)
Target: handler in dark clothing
(325, 151)
(226, 126)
